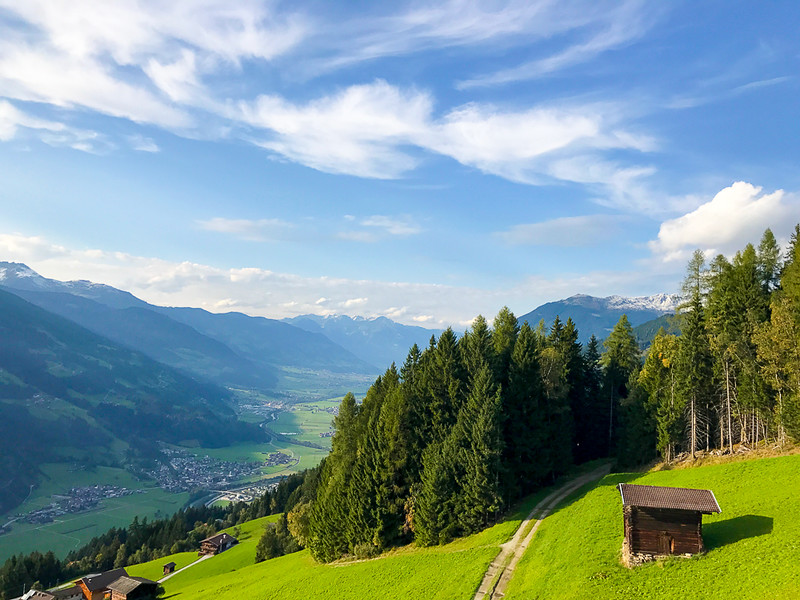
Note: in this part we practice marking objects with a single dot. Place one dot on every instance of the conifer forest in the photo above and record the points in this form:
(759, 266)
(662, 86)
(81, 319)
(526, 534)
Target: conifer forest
(441, 445)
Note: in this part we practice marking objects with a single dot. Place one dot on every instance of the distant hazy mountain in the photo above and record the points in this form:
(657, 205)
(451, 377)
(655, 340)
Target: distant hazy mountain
(379, 341)
(68, 393)
(597, 316)
(231, 349)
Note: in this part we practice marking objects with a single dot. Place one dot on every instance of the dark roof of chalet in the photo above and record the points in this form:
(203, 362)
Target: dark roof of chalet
(66, 592)
(125, 584)
(170, 564)
(100, 581)
(219, 539)
(654, 496)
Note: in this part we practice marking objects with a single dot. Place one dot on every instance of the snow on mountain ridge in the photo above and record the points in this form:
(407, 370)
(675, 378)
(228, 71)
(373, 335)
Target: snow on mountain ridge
(660, 302)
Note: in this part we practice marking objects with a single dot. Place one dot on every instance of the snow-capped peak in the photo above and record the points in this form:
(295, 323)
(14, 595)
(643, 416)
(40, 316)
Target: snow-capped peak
(659, 302)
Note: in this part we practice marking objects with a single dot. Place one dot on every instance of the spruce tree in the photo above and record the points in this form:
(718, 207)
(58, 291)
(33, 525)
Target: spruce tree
(620, 360)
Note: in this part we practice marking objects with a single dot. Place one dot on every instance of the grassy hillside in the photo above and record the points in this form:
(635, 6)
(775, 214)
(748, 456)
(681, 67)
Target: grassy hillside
(445, 572)
(753, 546)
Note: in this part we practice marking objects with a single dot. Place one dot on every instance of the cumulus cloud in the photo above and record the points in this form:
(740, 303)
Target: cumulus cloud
(259, 230)
(565, 231)
(737, 215)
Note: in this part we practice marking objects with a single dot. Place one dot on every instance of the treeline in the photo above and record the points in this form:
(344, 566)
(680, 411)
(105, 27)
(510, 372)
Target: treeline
(440, 447)
(142, 541)
(733, 375)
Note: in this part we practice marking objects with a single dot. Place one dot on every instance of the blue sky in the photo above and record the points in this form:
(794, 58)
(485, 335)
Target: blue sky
(424, 161)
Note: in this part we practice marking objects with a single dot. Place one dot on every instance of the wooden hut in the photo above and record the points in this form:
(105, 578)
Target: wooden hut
(169, 568)
(664, 520)
(217, 543)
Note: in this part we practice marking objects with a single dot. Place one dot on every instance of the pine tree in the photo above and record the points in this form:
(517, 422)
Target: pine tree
(694, 357)
(659, 378)
(504, 336)
(525, 455)
(620, 359)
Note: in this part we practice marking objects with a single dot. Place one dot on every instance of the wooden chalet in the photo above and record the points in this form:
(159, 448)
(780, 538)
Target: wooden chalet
(169, 568)
(95, 587)
(132, 588)
(663, 520)
(217, 543)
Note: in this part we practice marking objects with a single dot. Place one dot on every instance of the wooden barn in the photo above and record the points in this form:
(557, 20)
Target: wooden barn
(217, 543)
(664, 520)
(169, 568)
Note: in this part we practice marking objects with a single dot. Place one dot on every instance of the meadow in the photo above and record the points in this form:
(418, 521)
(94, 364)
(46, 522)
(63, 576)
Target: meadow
(753, 546)
(444, 572)
(753, 551)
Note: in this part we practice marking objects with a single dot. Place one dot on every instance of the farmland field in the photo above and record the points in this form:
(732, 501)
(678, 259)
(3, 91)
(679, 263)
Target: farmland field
(74, 530)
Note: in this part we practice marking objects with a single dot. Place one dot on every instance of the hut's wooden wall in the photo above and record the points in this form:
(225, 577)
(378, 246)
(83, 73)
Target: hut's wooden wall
(663, 531)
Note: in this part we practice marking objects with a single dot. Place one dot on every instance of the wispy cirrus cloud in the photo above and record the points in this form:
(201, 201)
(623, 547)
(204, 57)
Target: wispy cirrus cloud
(372, 130)
(609, 27)
(565, 231)
(378, 227)
(258, 230)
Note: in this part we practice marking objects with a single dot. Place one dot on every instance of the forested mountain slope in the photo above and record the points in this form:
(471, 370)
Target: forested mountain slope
(65, 391)
(597, 316)
(230, 349)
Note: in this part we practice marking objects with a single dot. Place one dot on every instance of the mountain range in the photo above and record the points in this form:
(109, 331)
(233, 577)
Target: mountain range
(597, 316)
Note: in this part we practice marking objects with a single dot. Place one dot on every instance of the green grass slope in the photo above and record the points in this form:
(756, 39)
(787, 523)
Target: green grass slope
(446, 572)
(753, 546)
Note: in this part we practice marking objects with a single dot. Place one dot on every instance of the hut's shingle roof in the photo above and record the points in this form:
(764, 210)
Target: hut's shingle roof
(125, 585)
(653, 496)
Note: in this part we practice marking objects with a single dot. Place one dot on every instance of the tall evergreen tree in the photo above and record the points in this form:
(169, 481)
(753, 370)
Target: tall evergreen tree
(620, 360)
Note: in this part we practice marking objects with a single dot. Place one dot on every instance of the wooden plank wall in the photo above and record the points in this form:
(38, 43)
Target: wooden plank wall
(663, 531)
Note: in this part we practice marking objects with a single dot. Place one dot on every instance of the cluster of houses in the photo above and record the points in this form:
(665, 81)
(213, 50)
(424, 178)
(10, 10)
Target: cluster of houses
(118, 585)
(111, 585)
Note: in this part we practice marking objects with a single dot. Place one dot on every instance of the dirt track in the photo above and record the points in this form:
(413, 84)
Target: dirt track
(502, 568)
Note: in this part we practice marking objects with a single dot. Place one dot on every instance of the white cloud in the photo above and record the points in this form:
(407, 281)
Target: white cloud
(613, 27)
(100, 55)
(52, 133)
(358, 131)
(260, 230)
(494, 26)
(737, 215)
(565, 231)
(399, 226)
(263, 292)
(370, 130)
(143, 144)
(11, 119)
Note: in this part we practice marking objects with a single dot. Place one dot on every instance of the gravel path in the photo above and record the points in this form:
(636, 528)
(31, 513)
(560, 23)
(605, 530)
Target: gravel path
(201, 559)
(502, 568)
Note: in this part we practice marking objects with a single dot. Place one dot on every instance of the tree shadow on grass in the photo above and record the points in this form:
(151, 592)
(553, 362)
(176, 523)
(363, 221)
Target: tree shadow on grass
(729, 531)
